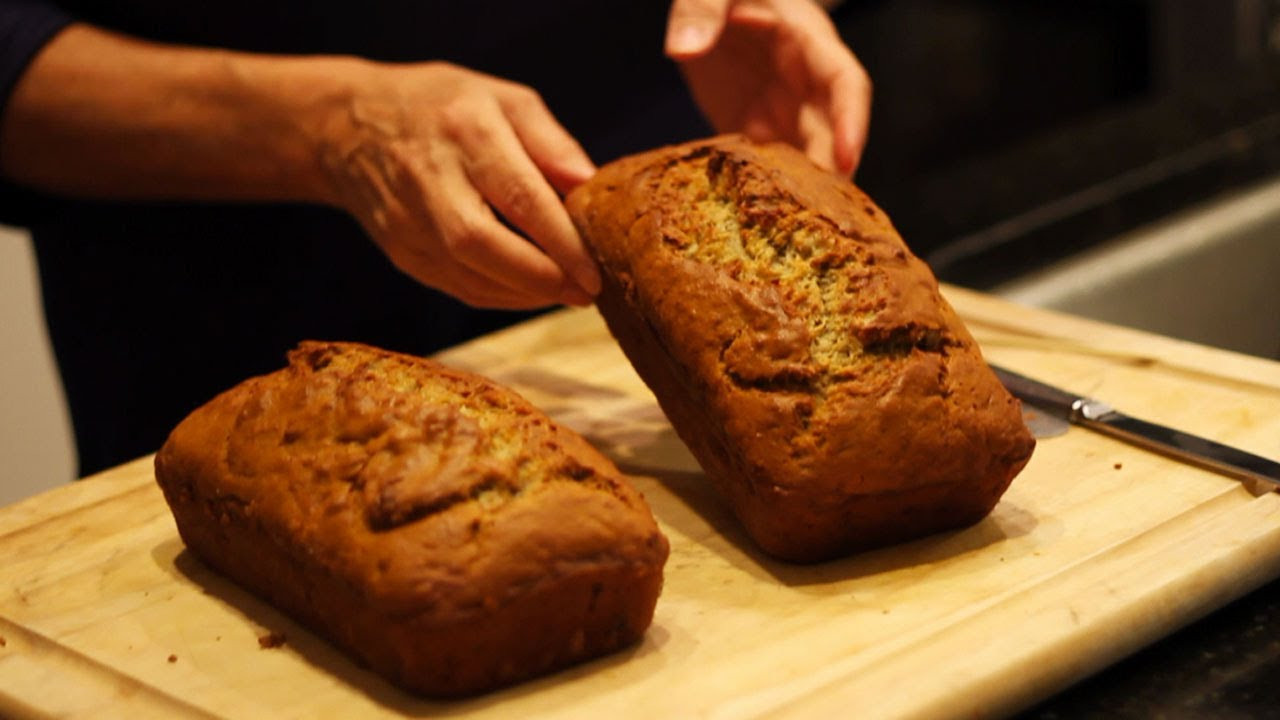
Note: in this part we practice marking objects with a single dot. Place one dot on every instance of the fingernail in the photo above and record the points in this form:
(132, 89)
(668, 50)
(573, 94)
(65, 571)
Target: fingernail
(690, 38)
(580, 169)
(588, 279)
(582, 166)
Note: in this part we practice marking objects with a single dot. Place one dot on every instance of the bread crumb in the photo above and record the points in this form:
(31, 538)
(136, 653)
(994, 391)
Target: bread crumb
(1119, 465)
(3, 642)
(173, 658)
(271, 640)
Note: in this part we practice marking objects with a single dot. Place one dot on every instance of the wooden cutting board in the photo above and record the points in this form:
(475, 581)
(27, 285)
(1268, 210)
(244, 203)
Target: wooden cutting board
(1096, 550)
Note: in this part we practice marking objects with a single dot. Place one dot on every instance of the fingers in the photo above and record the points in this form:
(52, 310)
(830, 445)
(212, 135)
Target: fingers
(431, 219)
(837, 83)
(843, 89)
(490, 167)
(694, 26)
(499, 166)
(484, 259)
(480, 290)
(468, 253)
(428, 159)
(556, 153)
(479, 260)
(818, 141)
(509, 151)
(850, 115)
(769, 65)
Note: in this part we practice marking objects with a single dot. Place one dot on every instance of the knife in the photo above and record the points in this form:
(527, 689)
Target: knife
(1259, 474)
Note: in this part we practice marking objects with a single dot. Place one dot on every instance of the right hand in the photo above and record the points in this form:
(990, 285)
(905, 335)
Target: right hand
(774, 70)
(424, 155)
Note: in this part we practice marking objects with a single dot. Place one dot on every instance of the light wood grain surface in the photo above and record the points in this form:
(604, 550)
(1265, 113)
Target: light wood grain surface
(1096, 550)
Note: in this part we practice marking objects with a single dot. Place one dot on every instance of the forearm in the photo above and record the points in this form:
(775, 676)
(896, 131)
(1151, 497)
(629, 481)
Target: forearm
(103, 115)
(423, 155)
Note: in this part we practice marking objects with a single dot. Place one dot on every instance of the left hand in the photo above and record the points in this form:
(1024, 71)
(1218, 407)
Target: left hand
(774, 70)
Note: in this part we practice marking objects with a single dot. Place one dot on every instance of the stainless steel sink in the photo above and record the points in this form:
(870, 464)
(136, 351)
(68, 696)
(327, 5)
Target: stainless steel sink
(1210, 274)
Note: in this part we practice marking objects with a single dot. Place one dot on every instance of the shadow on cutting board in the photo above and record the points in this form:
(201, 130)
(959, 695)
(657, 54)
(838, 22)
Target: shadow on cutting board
(267, 629)
(707, 520)
(633, 432)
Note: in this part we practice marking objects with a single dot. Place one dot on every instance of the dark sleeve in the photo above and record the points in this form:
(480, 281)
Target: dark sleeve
(25, 27)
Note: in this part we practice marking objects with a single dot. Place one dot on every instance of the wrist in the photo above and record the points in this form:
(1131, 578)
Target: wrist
(305, 116)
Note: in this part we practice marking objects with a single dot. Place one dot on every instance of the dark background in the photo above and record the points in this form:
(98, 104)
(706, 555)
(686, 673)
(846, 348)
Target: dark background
(1007, 134)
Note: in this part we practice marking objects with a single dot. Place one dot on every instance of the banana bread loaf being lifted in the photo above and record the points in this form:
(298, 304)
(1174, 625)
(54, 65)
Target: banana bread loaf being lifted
(799, 349)
(431, 522)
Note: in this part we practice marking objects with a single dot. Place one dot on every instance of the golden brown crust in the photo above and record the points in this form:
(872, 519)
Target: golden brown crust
(799, 349)
(433, 523)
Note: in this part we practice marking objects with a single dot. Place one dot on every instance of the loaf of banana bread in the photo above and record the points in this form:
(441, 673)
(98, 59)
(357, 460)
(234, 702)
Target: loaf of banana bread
(799, 349)
(432, 523)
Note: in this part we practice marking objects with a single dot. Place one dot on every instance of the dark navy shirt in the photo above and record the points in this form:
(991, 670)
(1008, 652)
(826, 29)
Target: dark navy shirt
(155, 307)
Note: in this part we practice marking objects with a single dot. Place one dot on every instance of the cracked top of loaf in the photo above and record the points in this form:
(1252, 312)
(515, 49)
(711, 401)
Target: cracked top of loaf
(799, 348)
(429, 520)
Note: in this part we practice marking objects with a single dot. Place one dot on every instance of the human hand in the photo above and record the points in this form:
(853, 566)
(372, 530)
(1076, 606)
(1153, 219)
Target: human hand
(423, 155)
(774, 70)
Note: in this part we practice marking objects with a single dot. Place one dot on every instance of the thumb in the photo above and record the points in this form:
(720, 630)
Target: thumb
(694, 26)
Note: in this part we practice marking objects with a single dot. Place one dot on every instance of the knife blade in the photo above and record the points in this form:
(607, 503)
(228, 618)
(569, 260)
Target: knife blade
(1260, 474)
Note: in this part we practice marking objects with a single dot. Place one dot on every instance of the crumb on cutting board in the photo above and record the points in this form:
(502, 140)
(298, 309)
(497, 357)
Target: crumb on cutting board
(271, 640)
(173, 658)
